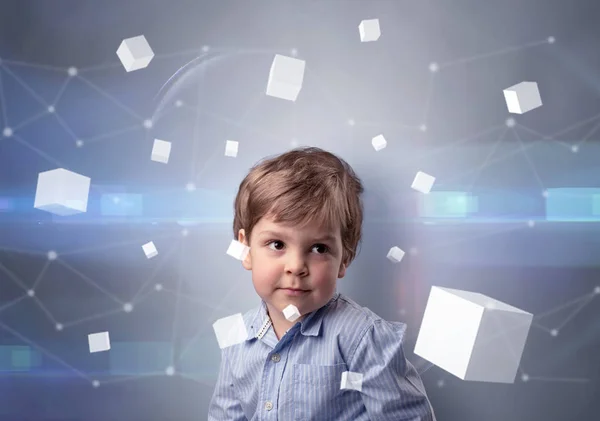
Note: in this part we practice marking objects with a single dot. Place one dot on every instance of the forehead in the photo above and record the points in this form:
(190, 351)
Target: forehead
(266, 226)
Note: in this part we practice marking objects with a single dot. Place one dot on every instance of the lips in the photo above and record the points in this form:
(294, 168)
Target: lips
(295, 289)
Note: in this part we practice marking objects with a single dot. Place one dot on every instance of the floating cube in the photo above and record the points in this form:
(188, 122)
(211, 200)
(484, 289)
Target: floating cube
(379, 142)
(423, 182)
(161, 151)
(285, 77)
(238, 250)
(369, 30)
(62, 192)
(291, 313)
(522, 97)
(351, 381)
(231, 148)
(135, 53)
(230, 330)
(150, 250)
(472, 336)
(395, 254)
(99, 342)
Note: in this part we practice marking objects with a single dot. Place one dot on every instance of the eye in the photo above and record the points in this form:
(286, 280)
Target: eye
(322, 246)
(275, 242)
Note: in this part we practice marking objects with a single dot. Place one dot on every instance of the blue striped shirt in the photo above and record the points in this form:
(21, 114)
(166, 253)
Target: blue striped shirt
(298, 377)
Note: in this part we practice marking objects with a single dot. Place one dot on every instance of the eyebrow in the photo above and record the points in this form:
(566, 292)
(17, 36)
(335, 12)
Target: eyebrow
(327, 237)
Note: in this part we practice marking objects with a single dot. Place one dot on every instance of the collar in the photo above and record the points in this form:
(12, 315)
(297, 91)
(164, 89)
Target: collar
(310, 325)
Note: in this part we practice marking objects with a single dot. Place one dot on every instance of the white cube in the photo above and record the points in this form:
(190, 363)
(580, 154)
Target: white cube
(161, 150)
(472, 336)
(62, 192)
(135, 53)
(369, 30)
(231, 148)
(230, 330)
(379, 142)
(423, 182)
(99, 342)
(149, 250)
(238, 250)
(291, 313)
(395, 254)
(522, 97)
(285, 77)
(351, 381)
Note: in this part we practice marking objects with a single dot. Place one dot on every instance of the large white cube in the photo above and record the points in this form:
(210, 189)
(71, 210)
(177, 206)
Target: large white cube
(230, 330)
(379, 142)
(423, 182)
(161, 150)
(238, 250)
(135, 53)
(231, 148)
(522, 97)
(99, 342)
(369, 30)
(472, 336)
(285, 77)
(62, 192)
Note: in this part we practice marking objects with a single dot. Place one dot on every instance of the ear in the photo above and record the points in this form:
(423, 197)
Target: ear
(342, 270)
(247, 262)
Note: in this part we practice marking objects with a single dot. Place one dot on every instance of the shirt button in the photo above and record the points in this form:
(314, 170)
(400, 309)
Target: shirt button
(268, 405)
(275, 358)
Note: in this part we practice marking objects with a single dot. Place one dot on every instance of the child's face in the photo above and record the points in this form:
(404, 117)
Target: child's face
(283, 256)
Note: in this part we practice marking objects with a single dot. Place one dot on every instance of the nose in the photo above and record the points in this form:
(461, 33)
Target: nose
(295, 264)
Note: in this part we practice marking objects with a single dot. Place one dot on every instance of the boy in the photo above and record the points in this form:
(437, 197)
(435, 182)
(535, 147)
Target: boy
(301, 215)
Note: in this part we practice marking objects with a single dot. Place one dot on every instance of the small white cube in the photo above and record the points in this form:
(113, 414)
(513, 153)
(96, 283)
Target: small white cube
(230, 330)
(522, 97)
(285, 77)
(135, 53)
(379, 142)
(351, 381)
(395, 254)
(150, 250)
(423, 182)
(99, 342)
(231, 148)
(238, 250)
(472, 336)
(291, 313)
(369, 30)
(161, 151)
(62, 192)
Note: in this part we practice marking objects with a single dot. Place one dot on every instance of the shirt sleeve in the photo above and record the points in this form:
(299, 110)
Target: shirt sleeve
(224, 405)
(392, 389)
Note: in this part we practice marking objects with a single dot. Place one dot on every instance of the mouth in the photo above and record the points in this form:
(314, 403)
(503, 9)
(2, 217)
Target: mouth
(296, 289)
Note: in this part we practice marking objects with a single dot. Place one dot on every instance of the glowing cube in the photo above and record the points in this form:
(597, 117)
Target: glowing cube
(423, 182)
(369, 30)
(522, 97)
(230, 330)
(291, 312)
(62, 192)
(161, 151)
(99, 342)
(285, 77)
(135, 53)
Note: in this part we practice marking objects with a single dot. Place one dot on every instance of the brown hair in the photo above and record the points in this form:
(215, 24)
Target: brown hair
(300, 186)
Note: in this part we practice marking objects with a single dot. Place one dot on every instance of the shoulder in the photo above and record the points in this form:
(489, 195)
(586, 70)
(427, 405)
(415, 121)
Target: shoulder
(351, 322)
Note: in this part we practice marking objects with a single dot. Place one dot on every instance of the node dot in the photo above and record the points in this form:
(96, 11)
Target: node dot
(79, 143)
(575, 148)
(551, 40)
(170, 370)
(434, 67)
(72, 71)
(59, 326)
(294, 52)
(52, 255)
(351, 122)
(597, 290)
(554, 332)
(423, 127)
(205, 48)
(190, 187)
(7, 132)
(95, 383)
(31, 293)
(525, 377)
(128, 307)
(148, 124)
(440, 383)
(158, 287)
(51, 109)
(178, 103)
(185, 232)
(510, 122)
(531, 223)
